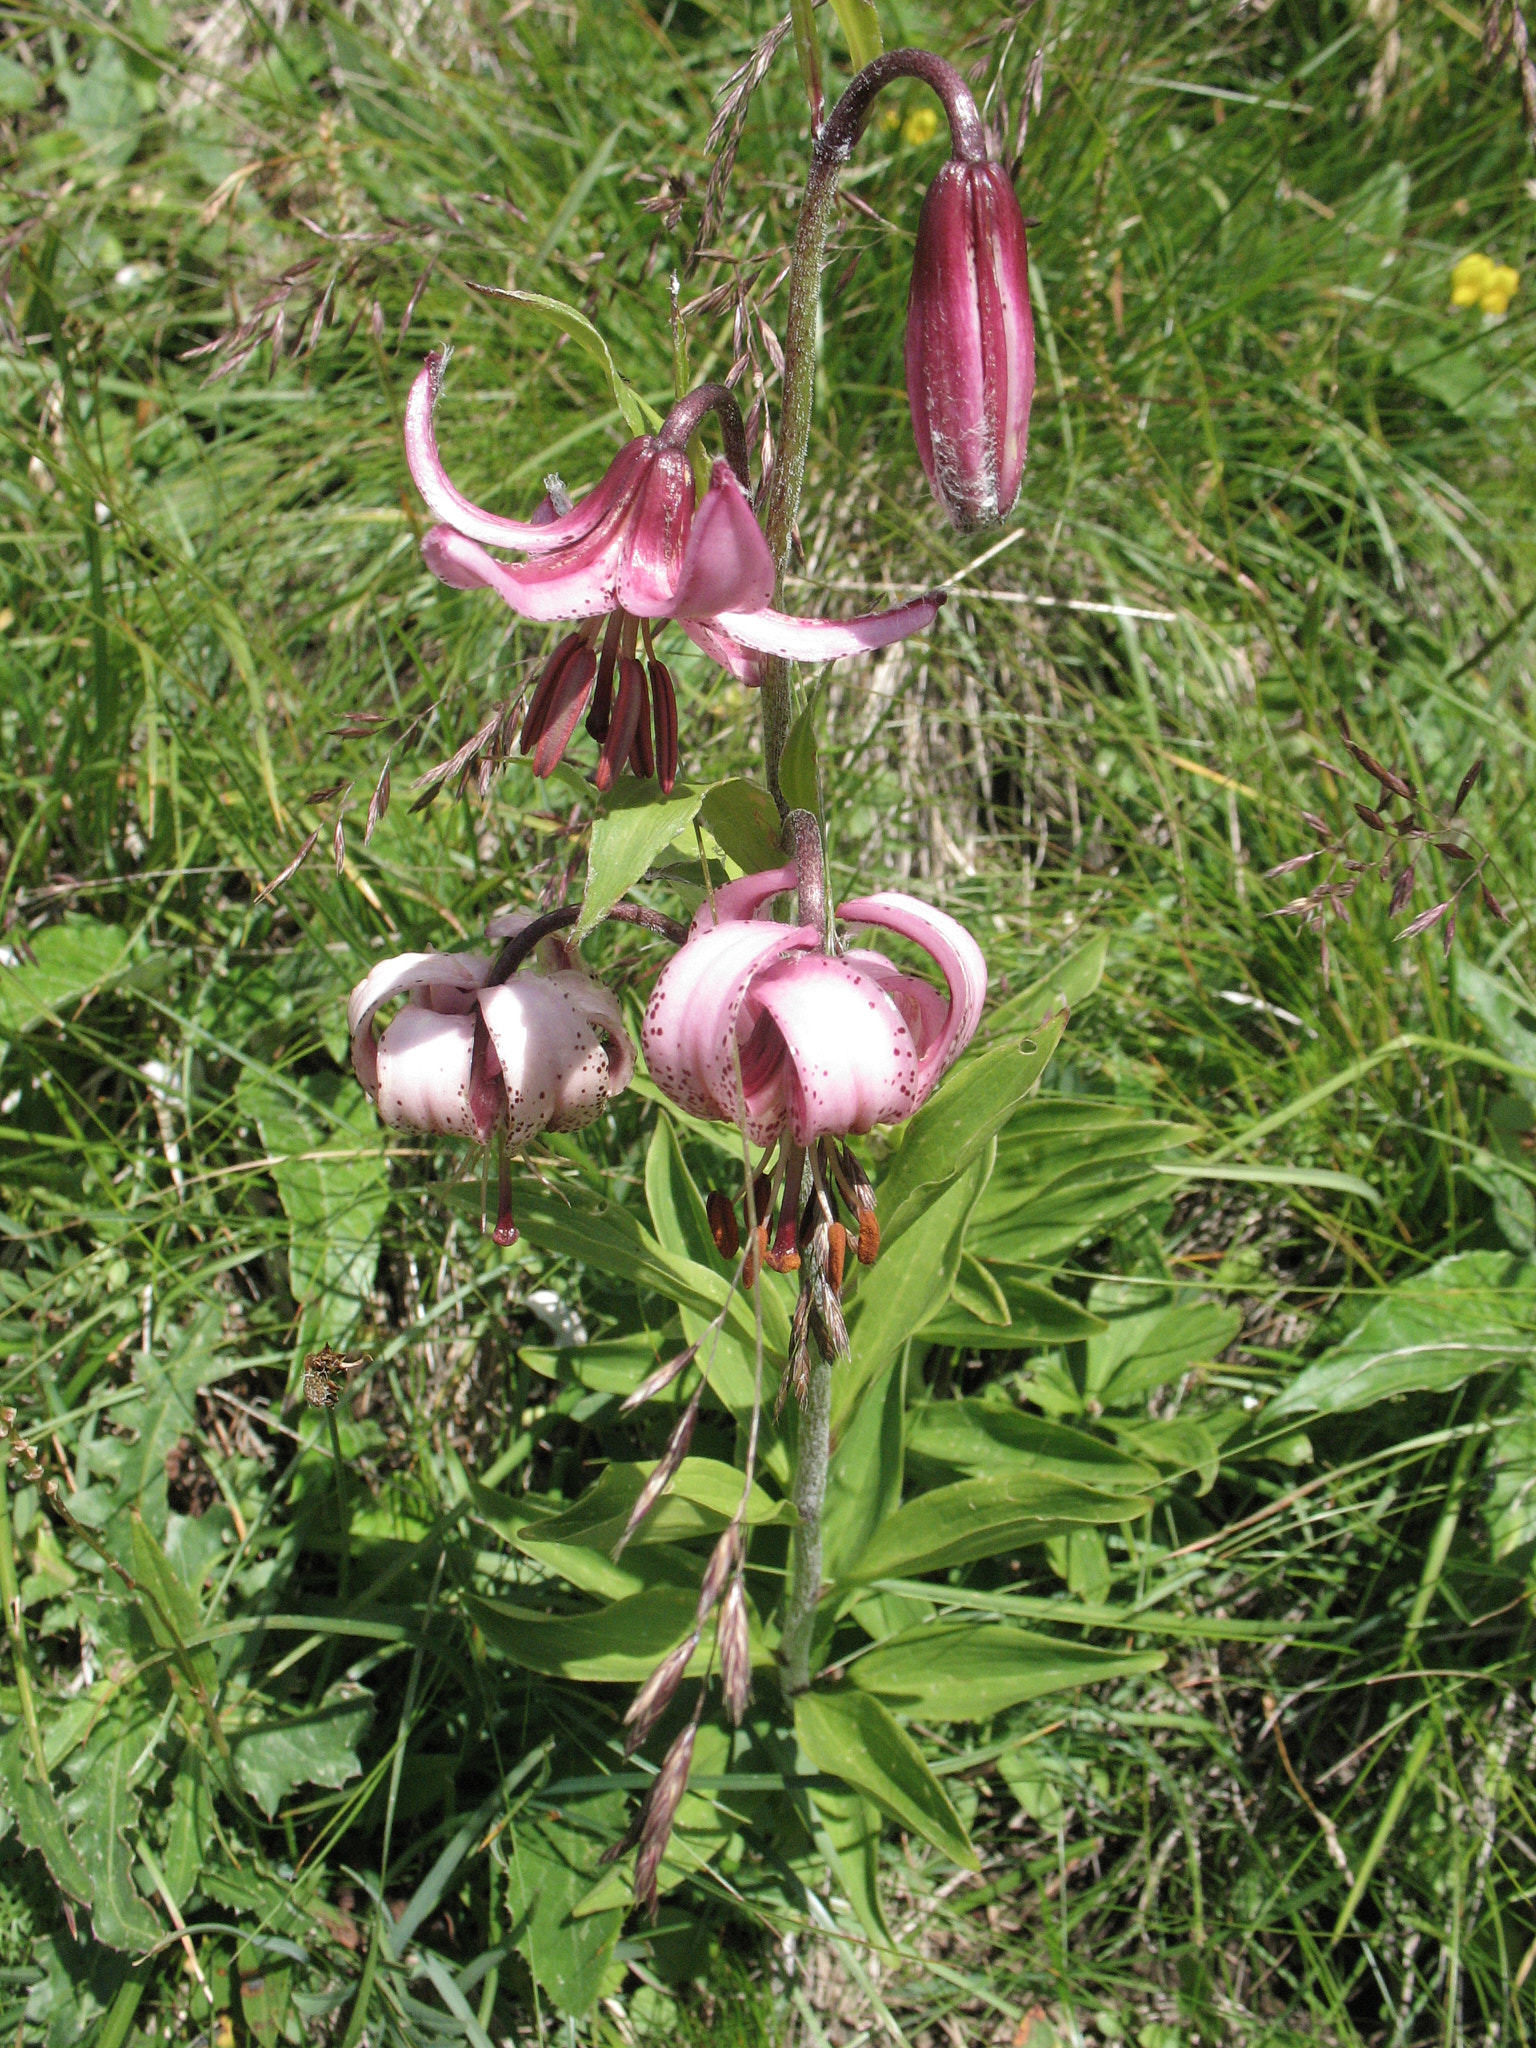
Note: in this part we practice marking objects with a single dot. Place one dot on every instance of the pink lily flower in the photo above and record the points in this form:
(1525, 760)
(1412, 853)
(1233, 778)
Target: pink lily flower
(829, 1044)
(638, 549)
(475, 1057)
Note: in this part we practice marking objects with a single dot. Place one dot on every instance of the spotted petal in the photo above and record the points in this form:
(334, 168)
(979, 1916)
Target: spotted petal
(958, 958)
(446, 982)
(850, 1056)
(770, 632)
(422, 1065)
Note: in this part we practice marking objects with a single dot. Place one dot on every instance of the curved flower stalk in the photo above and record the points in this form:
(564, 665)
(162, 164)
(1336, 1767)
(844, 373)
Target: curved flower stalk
(802, 1041)
(637, 550)
(479, 1051)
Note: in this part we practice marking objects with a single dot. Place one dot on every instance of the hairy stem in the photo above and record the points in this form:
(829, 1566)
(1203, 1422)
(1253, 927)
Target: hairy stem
(685, 417)
(832, 149)
(805, 1543)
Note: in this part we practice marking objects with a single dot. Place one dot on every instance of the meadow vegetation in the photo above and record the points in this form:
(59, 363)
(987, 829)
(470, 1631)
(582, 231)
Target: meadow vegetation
(328, 1700)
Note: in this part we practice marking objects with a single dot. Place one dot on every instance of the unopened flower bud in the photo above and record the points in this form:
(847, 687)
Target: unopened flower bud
(971, 342)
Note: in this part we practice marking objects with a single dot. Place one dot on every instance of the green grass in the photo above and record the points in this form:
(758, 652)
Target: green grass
(1272, 477)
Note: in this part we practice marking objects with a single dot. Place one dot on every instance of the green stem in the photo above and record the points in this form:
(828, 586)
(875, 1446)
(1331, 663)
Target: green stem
(10, 1593)
(832, 149)
(805, 1548)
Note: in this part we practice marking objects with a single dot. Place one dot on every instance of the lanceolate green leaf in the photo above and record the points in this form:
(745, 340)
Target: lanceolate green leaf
(850, 1828)
(612, 1645)
(108, 1819)
(636, 823)
(1465, 1314)
(39, 1821)
(69, 960)
(850, 1735)
(954, 1126)
(677, 1208)
(639, 417)
(904, 1287)
(995, 1439)
(860, 25)
(1036, 1317)
(962, 1671)
(987, 1518)
(743, 821)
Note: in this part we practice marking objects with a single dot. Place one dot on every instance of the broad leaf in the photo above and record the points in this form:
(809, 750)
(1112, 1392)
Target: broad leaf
(314, 1748)
(860, 25)
(1146, 1350)
(549, 1867)
(954, 1125)
(989, 1438)
(865, 1473)
(850, 1735)
(1034, 1316)
(970, 1670)
(799, 767)
(326, 1155)
(1506, 1015)
(677, 1208)
(1065, 986)
(106, 1809)
(610, 1645)
(173, 1616)
(743, 821)
(69, 960)
(905, 1287)
(39, 1820)
(987, 1518)
(637, 821)
(850, 1831)
(1067, 1168)
(1181, 1445)
(1464, 1315)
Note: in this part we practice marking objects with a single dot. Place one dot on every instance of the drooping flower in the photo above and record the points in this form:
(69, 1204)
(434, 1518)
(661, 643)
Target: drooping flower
(1478, 281)
(757, 1024)
(971, 342)
(474, 1056)
(638, 549)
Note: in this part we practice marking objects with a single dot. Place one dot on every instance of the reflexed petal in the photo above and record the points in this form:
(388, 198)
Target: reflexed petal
(452, 976)
(656, 537)
(852, 1058)
(735, 659)
(601, 1009)
(577, 583)
(690, 1024)
(826, 639)
(959, 959)
(925, 1007)
(423, 1064)
(727, 566)
(555, 1070)
(444, 501)
(744, 897)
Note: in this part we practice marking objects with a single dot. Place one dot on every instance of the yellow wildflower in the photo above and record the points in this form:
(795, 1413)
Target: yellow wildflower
(920, 126)
(890, 117)
(1478, 281)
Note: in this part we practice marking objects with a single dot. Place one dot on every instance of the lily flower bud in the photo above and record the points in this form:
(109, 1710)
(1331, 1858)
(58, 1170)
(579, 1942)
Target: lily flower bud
(971, 342)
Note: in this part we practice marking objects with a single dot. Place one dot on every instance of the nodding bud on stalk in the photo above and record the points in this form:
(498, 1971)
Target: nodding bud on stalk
(971, 342)
(735, 1653)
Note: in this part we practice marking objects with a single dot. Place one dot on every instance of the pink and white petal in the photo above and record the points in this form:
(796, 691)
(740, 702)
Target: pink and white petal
(852, 1058)
(773, 632)
(727, 566)
(690, 1022)
(548, 1055)
(959, 960)
(451, 975)
(656, 537)
(423, 1072)
(925, 1007)
(563, 587)
(735, 659)
(445, 501)
(601, 1009)
(744, 897)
